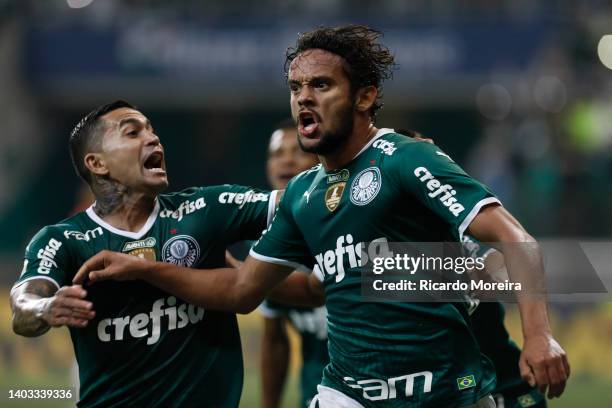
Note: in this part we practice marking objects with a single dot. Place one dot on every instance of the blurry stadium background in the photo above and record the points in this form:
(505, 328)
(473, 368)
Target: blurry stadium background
(519, 92)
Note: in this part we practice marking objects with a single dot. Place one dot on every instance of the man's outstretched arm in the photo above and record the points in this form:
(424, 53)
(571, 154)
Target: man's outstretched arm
(238, 290)
(543, 362)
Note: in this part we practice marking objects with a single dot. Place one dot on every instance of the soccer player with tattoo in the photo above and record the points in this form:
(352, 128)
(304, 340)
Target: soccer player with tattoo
(135, 344)
(372, 184)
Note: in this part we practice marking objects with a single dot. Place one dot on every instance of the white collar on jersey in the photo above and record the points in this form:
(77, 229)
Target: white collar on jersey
(134, 235)
(381, 132)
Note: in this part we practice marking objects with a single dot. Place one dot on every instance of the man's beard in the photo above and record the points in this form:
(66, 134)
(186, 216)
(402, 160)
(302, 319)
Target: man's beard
(333, 141)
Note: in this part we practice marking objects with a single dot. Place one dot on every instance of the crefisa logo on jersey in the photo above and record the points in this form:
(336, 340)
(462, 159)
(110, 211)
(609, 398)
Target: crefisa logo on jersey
(181, 250)
(187, 207)
(366, 185)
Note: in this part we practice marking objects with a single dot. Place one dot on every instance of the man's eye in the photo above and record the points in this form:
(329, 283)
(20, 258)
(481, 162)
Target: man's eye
(132, 132)
(320, 84)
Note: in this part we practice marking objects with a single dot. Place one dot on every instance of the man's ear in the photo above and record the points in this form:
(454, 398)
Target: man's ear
(365, 98)
(96, 164)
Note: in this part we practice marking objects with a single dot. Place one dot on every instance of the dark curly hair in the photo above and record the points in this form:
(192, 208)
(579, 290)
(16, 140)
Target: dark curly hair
(366, 61)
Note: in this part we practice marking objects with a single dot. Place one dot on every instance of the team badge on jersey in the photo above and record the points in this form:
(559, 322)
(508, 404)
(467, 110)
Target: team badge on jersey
(366, 185)
(144, 248)
(333, 195)
(181, 250)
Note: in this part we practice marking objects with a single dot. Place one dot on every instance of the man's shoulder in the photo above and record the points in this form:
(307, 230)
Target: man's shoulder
(392, 143)
(182, 195)
(60, 233)
(305, 177)
(76, 222)
(404, 150)
(307, 174)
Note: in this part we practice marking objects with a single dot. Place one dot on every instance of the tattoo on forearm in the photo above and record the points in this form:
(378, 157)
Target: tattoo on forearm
(24, 301)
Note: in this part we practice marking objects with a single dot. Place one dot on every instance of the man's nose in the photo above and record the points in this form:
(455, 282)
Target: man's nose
(152, 138)
(306, 96)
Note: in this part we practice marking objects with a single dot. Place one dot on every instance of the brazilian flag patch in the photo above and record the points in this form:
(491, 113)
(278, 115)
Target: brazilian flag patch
(466, 382)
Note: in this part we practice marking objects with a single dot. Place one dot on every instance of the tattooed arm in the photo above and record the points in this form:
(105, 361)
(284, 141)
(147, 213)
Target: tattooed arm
(37, 306)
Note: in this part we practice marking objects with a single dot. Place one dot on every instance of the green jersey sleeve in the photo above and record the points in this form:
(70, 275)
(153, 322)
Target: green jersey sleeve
(244, 212)
(47, 257)
(430, 175)
(283, 243)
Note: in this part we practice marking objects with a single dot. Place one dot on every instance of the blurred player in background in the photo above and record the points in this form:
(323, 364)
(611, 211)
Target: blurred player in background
(285, 160)
(373, 184)
(135, 344)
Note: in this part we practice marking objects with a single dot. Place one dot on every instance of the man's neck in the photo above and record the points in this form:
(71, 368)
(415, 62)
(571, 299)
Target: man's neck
(363, 132)
(123, 209)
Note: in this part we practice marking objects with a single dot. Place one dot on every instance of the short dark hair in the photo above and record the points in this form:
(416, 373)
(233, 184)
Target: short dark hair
(367, 62)
(85, 134)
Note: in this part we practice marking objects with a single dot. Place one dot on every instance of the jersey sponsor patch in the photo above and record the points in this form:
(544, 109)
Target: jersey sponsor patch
(375, 389)
(331, 262)
(47, 256)
(84, 236)
(241, 199)
(164, 312)
(333, 195)
(181, 250)
(386, 146)
(366, 186)
(185, 208)
(443, 192)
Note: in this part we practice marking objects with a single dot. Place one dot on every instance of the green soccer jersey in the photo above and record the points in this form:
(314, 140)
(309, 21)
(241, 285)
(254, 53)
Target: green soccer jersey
(146, 347)
(385, 354)
(311, 324)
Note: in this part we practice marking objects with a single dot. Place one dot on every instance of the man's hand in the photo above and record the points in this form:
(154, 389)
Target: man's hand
(543, 363)
(107, 265)
(38, 305)
(67, 307)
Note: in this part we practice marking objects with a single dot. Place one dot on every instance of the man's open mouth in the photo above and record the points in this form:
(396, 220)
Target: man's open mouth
(308, 123)
(155, 162)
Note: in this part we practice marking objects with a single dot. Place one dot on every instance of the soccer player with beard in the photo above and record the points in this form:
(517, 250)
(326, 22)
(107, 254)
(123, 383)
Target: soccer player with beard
(285, 160)
(137, 345)
(373, 184)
